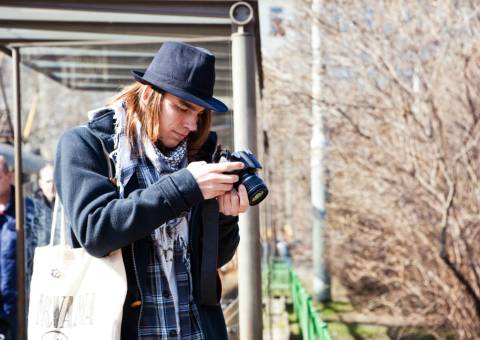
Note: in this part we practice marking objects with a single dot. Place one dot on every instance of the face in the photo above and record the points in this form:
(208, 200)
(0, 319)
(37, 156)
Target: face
(5, 180)
(177, 120)
(45, 182)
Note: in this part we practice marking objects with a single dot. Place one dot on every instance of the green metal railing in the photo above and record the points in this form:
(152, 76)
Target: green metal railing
(284, 281)
(313, 328)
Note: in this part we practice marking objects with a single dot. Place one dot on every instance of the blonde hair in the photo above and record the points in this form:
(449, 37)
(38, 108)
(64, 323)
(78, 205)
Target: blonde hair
(149, 116)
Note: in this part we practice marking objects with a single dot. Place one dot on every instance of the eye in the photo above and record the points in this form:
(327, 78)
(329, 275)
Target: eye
(181, 108)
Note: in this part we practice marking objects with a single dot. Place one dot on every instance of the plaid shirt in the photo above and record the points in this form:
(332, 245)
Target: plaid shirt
(158, 317)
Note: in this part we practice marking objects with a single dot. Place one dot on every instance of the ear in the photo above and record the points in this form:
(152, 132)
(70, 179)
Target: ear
(147, 92)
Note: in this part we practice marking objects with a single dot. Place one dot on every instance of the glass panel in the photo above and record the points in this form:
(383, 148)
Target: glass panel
(62, 83)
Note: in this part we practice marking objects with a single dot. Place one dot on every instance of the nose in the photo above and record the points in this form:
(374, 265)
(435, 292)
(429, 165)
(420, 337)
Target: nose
(190, 122)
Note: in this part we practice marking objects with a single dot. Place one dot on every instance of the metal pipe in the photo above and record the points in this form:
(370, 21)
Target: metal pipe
(137, 41)
(19, 218)
(321, 283)
(245, 131)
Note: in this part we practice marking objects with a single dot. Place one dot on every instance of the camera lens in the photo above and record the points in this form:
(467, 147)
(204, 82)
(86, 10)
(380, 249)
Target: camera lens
(256, 189)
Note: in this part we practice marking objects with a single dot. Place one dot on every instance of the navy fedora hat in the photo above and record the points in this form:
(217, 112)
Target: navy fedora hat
(185, 71)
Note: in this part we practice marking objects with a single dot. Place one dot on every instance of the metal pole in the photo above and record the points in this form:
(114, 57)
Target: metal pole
(245, 131)
(21, 322)
(321, 284)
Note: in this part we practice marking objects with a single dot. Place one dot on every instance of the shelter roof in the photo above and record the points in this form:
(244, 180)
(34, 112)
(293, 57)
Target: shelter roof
(93, 44)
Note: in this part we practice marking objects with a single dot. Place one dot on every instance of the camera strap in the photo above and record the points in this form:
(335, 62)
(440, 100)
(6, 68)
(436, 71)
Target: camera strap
(208, 276)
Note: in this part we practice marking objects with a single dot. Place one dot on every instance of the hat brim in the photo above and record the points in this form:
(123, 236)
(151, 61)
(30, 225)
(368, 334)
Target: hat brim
(207, 103)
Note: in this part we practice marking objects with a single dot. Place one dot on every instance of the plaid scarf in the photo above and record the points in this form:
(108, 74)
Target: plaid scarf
(168, 309)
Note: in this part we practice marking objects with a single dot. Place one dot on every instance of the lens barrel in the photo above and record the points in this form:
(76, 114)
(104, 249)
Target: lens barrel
(256, 189)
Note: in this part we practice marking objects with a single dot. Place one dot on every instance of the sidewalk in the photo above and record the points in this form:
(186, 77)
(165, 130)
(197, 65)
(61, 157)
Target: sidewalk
(275, 319)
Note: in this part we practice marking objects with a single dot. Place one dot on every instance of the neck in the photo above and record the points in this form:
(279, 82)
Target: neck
(163, 148)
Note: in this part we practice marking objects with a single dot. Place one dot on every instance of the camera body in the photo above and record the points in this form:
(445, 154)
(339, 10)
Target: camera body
(256, 188)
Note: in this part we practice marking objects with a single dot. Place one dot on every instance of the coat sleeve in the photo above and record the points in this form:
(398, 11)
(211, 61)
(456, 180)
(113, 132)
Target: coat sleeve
(8, 278)
(101, 221)
(228, 238)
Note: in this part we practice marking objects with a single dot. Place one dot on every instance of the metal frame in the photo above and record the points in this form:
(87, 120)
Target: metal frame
(169, 29)
(19, 213)
(120, 64)
(244, 96)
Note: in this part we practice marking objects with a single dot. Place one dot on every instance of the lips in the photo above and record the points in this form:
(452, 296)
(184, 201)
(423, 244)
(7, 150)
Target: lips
(182, 136)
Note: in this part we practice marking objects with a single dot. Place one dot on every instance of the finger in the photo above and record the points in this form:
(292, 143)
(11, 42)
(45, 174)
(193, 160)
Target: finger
(235, 200)
(221, 187)
(242, 192)
(228, 203)
(221, 178)
(225, 166)
(198, 163)
(220, 200)
(219, 194)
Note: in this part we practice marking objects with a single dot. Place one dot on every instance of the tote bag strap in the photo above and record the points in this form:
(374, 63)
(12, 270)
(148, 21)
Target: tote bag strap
(58, 207)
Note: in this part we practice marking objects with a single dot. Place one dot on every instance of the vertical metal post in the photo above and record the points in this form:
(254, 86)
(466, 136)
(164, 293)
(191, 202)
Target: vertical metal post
(20, 245)
(321, 284)
(245, 132)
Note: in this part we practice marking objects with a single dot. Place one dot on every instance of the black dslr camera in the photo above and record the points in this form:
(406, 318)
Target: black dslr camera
(256, 188)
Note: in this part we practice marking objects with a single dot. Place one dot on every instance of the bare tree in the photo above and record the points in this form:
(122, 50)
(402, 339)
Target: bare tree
(402, 115)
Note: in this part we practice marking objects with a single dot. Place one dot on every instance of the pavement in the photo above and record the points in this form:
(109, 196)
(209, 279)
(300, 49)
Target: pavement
(275, 319)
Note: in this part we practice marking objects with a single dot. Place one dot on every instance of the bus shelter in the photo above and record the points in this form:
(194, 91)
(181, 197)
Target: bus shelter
(86, 49)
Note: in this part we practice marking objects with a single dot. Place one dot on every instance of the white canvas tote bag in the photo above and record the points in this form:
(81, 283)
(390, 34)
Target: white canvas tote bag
(73, 295)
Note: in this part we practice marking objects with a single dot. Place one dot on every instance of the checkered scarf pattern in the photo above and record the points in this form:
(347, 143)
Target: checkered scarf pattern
(168, 309)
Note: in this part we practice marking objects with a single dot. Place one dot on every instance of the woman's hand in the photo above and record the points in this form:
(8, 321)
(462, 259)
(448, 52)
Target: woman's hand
(233, 202)
(211, 178)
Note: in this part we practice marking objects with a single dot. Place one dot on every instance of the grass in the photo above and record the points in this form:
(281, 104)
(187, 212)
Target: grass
(333, 309)
(354, 331)
(331, 312)
(339, 330)
(345, 331)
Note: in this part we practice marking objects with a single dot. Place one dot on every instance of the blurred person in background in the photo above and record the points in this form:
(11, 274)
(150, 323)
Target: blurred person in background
(45, 183)
(8, 238)
(45, 199)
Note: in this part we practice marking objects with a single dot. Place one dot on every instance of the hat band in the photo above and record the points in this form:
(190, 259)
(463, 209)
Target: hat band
(186, 86)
